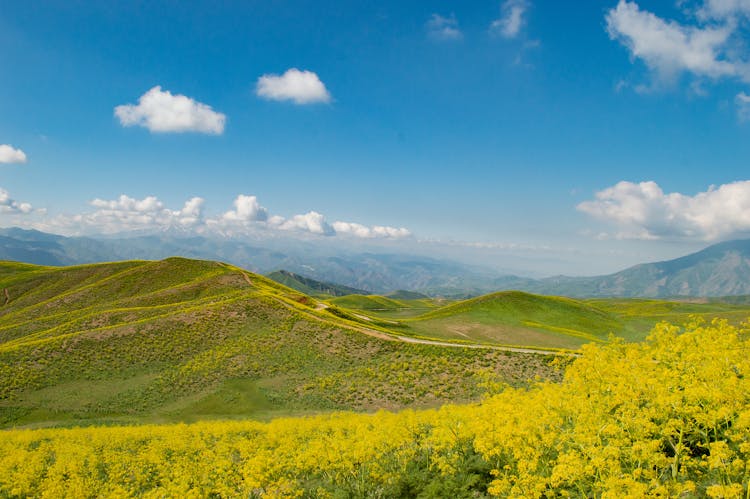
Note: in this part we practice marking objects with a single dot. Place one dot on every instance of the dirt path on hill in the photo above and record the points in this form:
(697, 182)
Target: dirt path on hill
(320, 306)
(420, 341)
(407, 339)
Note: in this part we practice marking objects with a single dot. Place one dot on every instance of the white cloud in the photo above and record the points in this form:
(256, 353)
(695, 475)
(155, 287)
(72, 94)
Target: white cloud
(669, 48)
(376, 231)
(248, 217)
(9, 154)
(161, 111)
(191, 213)
(311, 221)
(9, 205)
(126, 214)
(443, 28)
(512, 19)
(301, 87)
(246, 209)
(644, 211)
(724, 9)
(742, 100)
(125, 203)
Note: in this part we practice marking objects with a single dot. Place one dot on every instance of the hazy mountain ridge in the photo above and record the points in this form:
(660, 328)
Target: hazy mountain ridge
(719, 270)
(311, 286)
(370, 272)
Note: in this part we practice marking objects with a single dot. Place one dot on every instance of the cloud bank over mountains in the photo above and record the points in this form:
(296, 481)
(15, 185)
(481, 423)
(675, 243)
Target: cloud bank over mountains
(247, 217)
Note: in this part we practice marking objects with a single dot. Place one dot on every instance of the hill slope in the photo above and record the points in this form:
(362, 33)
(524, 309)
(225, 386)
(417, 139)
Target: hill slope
(522, 319)
(518, 318)
(605, 431)
(311, 286)
(182, 339)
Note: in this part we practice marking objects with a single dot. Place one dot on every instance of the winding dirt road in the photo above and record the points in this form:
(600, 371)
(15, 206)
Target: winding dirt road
(320, 306)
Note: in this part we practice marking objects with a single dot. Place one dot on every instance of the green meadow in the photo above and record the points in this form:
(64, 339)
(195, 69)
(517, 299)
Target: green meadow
(514, 318)
(186, 340)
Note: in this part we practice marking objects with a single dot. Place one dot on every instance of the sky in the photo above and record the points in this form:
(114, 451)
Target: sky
(524, 134)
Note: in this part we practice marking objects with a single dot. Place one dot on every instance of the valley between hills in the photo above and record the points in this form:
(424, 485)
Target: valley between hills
(313, 392)
(184, 340)
(187, 340)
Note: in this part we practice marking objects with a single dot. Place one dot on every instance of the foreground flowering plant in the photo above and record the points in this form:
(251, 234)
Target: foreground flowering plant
(666, 417)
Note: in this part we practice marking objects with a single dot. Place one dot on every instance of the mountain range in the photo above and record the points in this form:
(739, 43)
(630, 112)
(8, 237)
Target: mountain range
(719, 270)
(368, 272)
(311, 286)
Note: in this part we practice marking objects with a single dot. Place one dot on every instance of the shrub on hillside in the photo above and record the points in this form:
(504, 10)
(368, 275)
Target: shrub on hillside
(664, 418)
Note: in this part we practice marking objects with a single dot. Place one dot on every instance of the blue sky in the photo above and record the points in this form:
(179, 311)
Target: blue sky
(488, 125)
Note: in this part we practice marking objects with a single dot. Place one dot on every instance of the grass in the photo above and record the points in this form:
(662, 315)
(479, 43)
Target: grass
(521, 319)
(186, 340)
(516, 318)
(385, 307)
(311, 286)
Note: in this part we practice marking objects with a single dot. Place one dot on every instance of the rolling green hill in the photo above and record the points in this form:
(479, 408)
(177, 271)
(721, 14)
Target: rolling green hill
(402, 294)
(517, 318)
(522, 319)
(385, 306)
(311, 286)
(182, 340)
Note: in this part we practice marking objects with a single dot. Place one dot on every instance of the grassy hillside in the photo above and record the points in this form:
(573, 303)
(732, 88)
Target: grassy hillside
(182, 340)
(311, 286)
(523, 319)
(639, 315)
(385, 306)
(516, 318)
(668, 417)
(402, 294)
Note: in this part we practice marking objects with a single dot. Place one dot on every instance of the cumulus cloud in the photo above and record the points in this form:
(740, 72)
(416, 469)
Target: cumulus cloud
(248, 216)
(443, 28)
(149, 214)
(9, 154)
(191, 213)
(9, 205)
(376, 231)
(669, 48)
(300, 87)
(643, 211)
(126, 214)
(511, 20)
(160, 111)
(312, 222)
(724, 9)
(246, 209)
